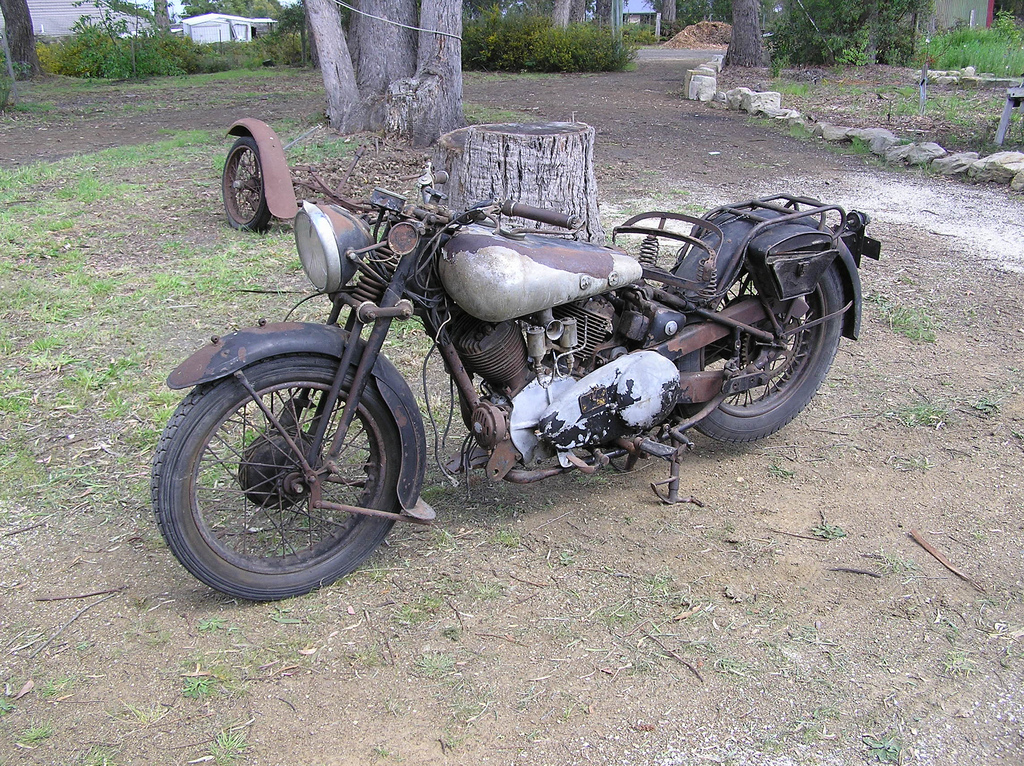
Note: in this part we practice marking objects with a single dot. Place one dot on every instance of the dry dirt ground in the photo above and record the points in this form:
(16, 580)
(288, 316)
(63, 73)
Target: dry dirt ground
(579, 620)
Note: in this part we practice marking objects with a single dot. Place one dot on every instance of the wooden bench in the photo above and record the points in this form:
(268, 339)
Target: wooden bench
(1014, 99)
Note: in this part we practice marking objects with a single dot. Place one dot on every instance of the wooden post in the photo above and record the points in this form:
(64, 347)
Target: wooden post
(548, 165)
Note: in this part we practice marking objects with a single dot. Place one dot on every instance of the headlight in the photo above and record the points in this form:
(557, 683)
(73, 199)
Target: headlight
(318, 249)
(323, 237)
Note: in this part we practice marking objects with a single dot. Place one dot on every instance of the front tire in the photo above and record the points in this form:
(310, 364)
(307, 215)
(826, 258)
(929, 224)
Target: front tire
(227, 487)
(796, 373)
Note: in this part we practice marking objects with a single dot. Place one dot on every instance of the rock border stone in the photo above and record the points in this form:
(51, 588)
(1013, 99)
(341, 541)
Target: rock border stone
(701, 84)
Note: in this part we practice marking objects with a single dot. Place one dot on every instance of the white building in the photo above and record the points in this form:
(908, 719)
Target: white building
(54, 18)
(222, 28)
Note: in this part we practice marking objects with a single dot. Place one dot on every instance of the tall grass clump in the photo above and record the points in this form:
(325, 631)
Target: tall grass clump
(523, 43)
(999, 50)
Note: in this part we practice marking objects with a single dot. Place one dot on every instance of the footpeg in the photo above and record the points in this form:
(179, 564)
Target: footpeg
(657, 449)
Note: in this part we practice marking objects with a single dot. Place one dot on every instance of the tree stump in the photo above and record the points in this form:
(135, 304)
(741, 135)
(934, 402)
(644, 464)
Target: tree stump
(548, 165)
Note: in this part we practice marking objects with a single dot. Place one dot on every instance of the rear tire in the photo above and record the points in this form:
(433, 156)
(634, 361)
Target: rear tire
(797, 373)
(224, 482)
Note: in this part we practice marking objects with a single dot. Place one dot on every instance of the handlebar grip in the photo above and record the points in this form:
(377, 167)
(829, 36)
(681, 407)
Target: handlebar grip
(541, 215)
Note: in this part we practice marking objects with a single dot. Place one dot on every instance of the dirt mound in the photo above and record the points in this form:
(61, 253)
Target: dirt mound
(703, 34)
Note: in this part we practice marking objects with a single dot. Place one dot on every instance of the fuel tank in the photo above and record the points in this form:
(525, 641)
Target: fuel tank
(494, 277)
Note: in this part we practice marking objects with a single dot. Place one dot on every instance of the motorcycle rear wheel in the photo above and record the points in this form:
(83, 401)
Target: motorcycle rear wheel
(796, 374)
(224, 482)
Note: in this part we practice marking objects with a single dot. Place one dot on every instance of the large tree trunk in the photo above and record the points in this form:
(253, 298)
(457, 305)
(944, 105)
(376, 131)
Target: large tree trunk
(745, 48)
(423, 107)
(383, 52)
(603, 12)
(161, 18)
(20, 38)
(578, 15)
(560, 15)
(549, 165)
(668, 11)
(345, 110)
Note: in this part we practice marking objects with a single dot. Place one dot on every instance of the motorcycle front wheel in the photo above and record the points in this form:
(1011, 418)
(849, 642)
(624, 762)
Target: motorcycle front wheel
(795, 371)
(228, 490)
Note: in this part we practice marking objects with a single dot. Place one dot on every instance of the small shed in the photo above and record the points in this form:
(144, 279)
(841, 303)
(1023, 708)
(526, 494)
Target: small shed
(968, 13)
(222, 28)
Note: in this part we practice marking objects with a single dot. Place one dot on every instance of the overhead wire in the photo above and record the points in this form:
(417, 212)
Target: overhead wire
(397, 23)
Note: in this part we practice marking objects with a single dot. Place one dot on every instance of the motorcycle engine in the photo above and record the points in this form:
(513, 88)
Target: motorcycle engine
(567, 384)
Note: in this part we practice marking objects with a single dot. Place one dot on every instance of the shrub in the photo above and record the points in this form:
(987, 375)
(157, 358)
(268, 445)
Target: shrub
(849, 32)
(93, 52)
(519, 43)
(5, 91)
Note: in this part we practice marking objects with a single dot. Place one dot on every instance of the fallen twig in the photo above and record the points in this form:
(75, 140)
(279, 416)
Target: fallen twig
(530, 582)
(794, 534)
(63, 627)
(676, 657)
(83, 595)
(919, 539)
(503, 638)
(851, 570)
(24, 529)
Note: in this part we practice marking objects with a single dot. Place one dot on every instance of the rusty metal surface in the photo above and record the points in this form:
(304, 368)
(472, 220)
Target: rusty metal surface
(694, 337)
(561, 254)
(696, 387)
(277, 178)
(497, 278)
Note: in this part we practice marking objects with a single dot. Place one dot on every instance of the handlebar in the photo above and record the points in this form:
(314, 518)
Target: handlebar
(541, 215)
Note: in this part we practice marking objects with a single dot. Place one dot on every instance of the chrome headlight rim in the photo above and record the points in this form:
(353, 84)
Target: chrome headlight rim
(318, 248)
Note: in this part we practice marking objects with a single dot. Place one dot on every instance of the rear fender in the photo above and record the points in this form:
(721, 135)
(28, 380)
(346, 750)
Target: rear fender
(223, 357)
(277, 178)
(850, 275)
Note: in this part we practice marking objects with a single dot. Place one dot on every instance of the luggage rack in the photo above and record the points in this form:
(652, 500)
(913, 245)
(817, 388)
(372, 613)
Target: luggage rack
(725, 234)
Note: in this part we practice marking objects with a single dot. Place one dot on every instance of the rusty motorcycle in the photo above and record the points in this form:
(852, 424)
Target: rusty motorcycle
(300, 444)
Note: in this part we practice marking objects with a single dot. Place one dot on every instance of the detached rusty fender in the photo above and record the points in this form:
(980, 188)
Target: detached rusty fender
(224, 356)
(277, 178)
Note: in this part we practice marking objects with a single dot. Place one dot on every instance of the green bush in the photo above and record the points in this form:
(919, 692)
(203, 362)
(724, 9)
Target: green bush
(850, 32)
(639, 34)
(5, 91)
(521, 43)
(999, 50)
(93, 52)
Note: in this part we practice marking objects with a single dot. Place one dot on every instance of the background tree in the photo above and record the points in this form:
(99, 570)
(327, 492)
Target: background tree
(668, 11)
(345, 110)
(561, 12)
(746, 47)
(161, 18)
(383, 52)
(421, 106)
(20, 38)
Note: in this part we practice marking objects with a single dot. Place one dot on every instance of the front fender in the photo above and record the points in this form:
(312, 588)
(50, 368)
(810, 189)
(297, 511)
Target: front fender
(225, 356)
(277, 178)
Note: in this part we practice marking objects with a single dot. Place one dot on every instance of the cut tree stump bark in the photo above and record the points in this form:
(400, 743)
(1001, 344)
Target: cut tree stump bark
(549, 165)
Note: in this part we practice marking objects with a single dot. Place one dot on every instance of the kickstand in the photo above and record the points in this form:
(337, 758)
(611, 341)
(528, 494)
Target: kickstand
(672, 496)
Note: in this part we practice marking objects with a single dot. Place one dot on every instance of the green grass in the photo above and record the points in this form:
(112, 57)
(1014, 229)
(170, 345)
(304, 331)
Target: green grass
(999, 49)
(924, 414)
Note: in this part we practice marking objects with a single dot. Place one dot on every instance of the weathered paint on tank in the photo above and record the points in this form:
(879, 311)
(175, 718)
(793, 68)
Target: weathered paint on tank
(495, 278)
